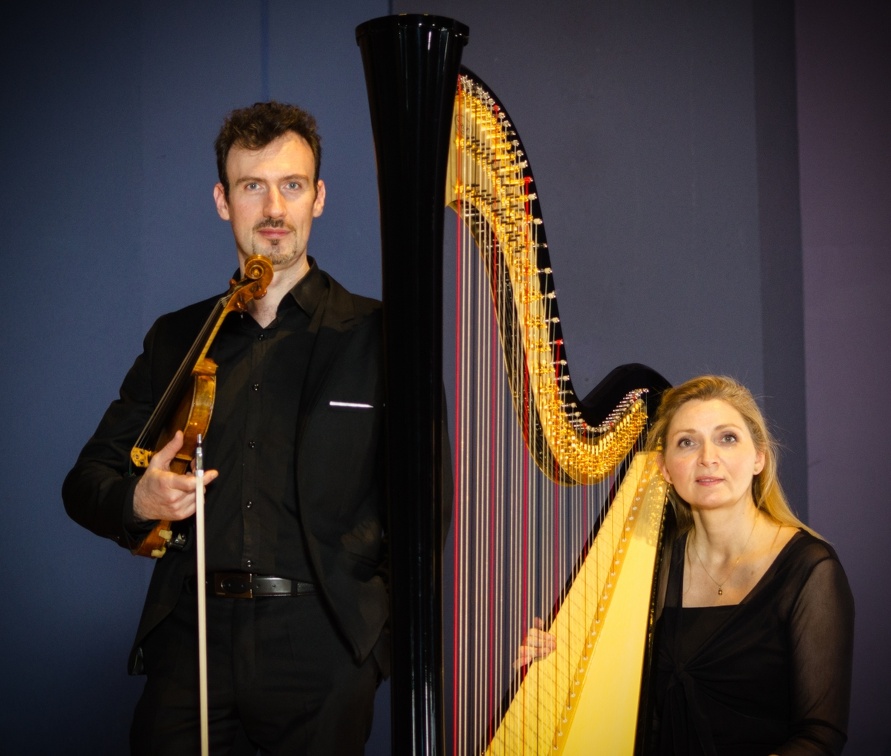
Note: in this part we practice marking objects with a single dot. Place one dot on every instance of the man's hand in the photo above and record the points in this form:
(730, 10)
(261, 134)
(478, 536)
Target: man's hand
(164, 495)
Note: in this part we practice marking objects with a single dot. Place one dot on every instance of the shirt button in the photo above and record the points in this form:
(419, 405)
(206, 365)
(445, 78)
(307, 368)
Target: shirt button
(249, 563)
(256, 387)
(249, 505)
(261, 337)
(252, 444)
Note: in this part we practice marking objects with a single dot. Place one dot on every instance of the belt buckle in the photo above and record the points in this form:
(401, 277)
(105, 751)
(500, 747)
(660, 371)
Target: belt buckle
(237, 585)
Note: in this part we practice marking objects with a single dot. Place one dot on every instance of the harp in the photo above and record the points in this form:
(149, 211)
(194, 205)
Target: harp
(558, 511)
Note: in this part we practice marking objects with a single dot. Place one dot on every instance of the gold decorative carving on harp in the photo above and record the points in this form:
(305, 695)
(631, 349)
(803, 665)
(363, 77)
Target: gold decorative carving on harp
(573, 537)
(562, 531)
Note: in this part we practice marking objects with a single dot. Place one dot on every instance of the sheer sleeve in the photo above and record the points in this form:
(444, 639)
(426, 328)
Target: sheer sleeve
(821, 634)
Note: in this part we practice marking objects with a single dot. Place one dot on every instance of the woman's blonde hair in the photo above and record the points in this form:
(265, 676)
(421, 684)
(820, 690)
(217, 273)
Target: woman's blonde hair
(766, 489)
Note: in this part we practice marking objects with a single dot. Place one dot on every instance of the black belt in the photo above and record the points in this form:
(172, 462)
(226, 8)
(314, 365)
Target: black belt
(245, 585)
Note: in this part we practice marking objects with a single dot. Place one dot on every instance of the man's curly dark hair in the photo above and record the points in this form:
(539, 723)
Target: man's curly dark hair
(263, 122)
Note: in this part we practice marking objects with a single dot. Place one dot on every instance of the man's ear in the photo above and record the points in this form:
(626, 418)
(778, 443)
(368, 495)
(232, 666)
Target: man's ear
(219, 198)
(319, 204)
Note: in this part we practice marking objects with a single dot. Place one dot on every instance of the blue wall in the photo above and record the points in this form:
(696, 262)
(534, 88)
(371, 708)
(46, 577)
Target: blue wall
(663, 140)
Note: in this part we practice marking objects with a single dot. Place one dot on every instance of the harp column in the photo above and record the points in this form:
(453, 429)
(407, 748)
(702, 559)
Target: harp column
(411, 70)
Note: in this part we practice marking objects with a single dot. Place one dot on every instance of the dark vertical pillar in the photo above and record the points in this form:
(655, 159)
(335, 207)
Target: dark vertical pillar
(782, 285)
(411, 70)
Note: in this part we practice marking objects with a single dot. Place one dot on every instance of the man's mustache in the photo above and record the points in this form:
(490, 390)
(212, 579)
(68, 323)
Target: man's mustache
(270, 223)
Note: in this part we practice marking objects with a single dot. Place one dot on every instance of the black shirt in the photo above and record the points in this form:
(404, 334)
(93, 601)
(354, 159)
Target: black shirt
(252, 521)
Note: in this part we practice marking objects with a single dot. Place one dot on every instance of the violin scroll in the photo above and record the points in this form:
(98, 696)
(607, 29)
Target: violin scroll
(253, 285)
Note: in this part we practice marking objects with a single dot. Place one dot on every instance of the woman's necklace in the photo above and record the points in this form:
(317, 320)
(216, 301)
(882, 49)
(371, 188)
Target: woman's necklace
(735, 564)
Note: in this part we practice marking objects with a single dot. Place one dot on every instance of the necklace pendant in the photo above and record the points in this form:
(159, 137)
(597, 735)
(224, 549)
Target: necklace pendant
(720, 591)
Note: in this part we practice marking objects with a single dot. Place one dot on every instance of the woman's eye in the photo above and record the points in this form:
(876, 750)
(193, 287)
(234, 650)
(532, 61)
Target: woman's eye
(729, 438)
(685, 443)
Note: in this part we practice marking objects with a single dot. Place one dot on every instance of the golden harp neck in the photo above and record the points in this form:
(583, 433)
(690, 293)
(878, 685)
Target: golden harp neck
(490, 186)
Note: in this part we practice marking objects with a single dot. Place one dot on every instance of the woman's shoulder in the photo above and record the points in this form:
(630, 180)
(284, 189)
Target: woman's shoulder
(806, 555)
(805, 546)
(813, 579)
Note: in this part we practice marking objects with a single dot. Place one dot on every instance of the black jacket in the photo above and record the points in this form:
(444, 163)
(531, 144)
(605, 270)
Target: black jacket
(340, 465)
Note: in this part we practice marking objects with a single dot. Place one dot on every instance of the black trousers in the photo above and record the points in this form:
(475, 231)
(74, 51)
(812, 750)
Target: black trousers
(279, 676)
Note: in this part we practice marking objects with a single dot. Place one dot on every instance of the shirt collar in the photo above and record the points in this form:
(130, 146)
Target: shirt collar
(310, 289)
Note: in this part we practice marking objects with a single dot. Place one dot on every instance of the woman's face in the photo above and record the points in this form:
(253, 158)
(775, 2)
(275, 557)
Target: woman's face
(709, 456)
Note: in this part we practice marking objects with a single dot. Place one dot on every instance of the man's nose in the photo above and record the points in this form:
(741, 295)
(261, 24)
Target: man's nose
(275, 204)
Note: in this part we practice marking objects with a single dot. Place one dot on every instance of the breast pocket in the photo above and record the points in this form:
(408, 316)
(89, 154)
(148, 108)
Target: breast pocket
(345, 406)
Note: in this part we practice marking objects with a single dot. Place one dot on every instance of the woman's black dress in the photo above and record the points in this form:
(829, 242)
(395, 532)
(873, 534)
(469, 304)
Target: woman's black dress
(770, 675)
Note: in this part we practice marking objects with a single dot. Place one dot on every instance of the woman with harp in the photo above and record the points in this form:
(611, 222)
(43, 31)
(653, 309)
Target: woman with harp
(754, 638)
(783, 585)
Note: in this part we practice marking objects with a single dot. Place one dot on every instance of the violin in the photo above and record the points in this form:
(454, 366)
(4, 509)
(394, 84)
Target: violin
(187, 403)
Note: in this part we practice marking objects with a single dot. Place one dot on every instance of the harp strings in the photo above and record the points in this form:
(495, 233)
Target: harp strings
(533, 477)
(519, 530)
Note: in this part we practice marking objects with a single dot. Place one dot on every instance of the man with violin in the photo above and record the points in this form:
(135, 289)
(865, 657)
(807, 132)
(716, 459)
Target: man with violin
(290, 425)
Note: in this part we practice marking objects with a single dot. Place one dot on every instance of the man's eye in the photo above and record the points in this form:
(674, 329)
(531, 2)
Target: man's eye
(292, 186)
